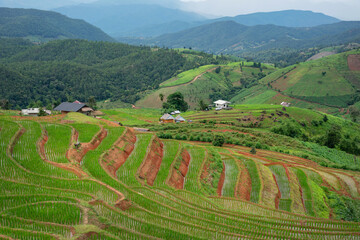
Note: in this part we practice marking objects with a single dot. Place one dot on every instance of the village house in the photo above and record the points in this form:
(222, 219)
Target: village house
(285, 104)
(167, 118)
(221, 104)
(67, 107)
(180, 119)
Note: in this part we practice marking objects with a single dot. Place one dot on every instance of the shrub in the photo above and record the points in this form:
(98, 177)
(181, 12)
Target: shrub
(253, 150)
(219, 140)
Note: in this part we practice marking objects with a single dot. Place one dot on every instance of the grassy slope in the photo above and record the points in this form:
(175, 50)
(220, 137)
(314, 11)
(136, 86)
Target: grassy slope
(209, 83)
(324, 84)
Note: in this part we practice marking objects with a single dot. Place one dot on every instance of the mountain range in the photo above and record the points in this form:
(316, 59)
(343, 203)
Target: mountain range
(39, 25)
(154, 18)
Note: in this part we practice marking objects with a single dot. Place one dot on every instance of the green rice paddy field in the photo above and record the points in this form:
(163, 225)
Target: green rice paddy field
(52, 189)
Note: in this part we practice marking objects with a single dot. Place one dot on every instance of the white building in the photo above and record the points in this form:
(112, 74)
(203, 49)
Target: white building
(221, 104)
(285, 104)
(30, 112)
(33, 112)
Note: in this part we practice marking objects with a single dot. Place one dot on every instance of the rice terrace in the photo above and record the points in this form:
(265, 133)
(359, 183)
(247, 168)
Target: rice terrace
(179, 120)
(120, 183)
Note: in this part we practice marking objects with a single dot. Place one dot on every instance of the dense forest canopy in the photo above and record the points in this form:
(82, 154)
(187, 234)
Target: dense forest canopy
(77, 69)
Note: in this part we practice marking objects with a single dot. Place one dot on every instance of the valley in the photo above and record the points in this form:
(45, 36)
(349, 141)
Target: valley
(164, 119)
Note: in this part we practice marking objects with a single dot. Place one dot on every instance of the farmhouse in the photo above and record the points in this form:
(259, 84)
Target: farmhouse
(67, 107)
(221, 104)
(167, 118)
(33, 112)
(285, 104)
(180, 119)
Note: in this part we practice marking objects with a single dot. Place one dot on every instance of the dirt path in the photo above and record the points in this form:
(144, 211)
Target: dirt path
(192, 81)
(69, 167)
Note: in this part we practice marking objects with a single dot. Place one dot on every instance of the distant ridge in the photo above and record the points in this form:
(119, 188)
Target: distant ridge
(286, 18)
(46, 25)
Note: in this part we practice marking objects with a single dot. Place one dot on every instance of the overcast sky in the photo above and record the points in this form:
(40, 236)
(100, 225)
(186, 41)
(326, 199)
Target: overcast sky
(343, 9)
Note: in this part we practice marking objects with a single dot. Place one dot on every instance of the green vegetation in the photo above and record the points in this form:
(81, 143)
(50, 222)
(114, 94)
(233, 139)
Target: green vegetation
(231, 173)
(210, 86)
(186, 77)
(58, 142)
(255, 180)
(44, 200)
(306, 191)
(77, 69)
(214, 167)
(175, 102)
(284, 187)
(86, 131)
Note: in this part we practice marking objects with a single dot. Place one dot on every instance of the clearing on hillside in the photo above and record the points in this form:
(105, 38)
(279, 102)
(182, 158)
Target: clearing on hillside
(354, 62)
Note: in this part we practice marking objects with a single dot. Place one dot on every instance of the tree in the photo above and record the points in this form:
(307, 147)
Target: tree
(41, 112)
(92, 102)
(333, 136)
(203, 106)
(161, 96)
(325, 118)
(354, 113)
(219, 140)
(253, 150)
(5, 104)
(176, 101)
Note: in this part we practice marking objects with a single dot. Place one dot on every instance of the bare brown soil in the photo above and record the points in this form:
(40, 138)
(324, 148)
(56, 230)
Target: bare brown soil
(221, 181)
(120, 152)
(354, 62)
(177, 178)
(278, 195)
(151, 165)
(77, 154)
(124, 204)
(243, 188)
(69, 167)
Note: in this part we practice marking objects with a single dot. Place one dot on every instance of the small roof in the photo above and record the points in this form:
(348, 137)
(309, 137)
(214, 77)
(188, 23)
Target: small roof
(177, 112)
(70, 107)
(180, 118)
(167, 117)
(222, 102)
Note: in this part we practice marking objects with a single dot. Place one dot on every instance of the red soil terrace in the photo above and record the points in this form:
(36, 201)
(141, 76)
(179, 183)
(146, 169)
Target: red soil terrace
(177, 178)
(77, 154)
(221, 181)
(151, 165)
(120, 152)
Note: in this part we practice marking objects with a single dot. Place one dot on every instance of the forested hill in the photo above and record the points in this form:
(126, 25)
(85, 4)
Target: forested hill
(45, 25)
(262, 42)
(77, 69)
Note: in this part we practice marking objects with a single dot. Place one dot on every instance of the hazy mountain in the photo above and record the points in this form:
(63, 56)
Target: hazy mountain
(288, 18)
(46, 25)
(129, 19)
(232, 38)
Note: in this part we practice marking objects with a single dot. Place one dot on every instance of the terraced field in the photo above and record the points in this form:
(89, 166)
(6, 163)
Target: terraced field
(123, 184)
